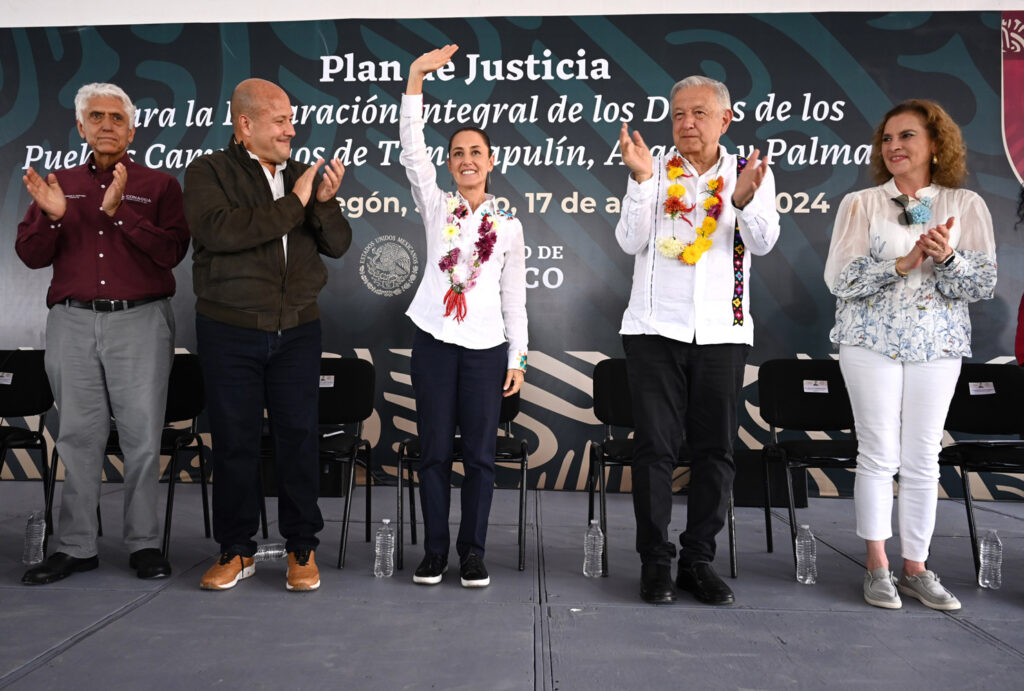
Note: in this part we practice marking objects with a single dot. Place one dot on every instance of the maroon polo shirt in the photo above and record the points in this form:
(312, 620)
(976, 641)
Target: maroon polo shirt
(128, 256)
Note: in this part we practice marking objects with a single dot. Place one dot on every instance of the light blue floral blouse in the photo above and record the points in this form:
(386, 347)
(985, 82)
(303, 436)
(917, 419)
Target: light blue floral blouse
(924, 316)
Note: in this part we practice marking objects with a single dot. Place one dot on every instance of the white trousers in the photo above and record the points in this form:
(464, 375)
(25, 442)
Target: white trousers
(900, 410)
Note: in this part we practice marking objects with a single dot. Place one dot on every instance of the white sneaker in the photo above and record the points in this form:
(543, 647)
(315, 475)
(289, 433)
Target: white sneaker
(880, 589)
(926, 587)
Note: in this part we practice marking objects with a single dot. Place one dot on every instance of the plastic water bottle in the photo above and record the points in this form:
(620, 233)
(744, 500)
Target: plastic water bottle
(593, 550)
(35, 533)
(991, 550)
(270, 551)
(806, 556)
(384, 550)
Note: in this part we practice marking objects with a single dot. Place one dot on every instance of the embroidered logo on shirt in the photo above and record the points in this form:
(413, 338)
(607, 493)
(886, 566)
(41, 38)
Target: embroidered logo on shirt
(136, 198)
(74, 196)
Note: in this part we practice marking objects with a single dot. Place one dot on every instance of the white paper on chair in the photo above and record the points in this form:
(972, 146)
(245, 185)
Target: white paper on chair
(981, 388)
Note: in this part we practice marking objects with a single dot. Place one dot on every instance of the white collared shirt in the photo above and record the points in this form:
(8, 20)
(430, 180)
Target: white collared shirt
(496, 305)
(276, 188)
(709, 301)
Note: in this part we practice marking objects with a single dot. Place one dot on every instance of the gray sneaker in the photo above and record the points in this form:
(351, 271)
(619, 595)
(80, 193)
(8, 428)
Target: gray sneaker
(880, 589)
(926, 587)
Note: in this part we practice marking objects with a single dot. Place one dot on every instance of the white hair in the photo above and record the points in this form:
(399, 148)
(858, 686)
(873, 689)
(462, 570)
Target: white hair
(91, 91)
(721, 91)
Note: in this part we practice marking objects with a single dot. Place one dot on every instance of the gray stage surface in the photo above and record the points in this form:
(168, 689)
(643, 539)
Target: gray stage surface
(545, 628)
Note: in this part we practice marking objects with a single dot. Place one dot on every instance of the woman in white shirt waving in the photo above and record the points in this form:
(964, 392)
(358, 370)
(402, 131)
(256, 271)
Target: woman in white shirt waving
(470, 343)
(906, 259)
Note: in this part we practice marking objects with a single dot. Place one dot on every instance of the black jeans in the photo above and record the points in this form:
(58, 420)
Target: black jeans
(456, 386)
(243, 371)
(682, 392)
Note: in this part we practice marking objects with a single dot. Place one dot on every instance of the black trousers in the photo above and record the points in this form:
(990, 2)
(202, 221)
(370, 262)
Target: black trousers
(682, 392)
(456, 387)
(243, 370)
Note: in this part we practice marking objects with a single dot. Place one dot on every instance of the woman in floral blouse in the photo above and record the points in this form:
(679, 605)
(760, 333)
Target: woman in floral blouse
(905, 260)
(470, 344)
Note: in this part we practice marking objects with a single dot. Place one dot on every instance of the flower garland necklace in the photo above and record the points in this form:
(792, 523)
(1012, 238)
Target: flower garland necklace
(674, 206)
(462, 275)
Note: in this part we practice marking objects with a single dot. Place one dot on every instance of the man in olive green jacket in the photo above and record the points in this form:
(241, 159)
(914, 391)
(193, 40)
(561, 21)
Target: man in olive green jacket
(260, 222)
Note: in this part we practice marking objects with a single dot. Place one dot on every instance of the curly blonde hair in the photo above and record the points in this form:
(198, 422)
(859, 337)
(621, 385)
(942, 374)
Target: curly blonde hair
(950, 165)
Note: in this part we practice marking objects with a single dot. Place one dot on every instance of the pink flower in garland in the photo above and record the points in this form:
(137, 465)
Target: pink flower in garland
(449, 260)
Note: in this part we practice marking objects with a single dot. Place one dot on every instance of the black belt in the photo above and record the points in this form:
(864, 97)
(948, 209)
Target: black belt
(105, 305)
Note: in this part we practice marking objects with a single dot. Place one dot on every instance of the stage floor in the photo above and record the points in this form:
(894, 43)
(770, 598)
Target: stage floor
(547, 627)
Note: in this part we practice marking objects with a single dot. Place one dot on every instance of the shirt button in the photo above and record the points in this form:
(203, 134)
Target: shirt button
(120, 223)
(103, 186)
(101, 255)
(103, 283)
(101, 232)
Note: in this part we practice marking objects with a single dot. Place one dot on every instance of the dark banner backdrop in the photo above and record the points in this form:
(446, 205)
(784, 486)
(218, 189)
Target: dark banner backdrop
(552, 92)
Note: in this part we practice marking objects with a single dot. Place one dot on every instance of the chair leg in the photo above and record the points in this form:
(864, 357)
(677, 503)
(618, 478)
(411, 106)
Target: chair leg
(44, 474)
(412, 508)
(50, 490)
(348, 509)
(169, 511)
(263, 506)
(590, 485)
(733, 568)
(369, 491)
(400, 546)
(792, 511)
(604, 518)
(202, 483)
(522, 515)
(99, 520)
(770, 547)
(965, 478)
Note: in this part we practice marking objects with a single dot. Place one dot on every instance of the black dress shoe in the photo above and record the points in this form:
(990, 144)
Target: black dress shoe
(656, 584)
(701, 580)
(57, 566)
(149, 563)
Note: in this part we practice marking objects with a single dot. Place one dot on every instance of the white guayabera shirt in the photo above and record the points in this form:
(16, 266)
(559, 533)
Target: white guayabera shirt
(708, 302)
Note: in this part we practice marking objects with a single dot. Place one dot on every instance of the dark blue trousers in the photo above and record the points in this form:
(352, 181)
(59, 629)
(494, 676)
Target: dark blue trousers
(456, 387)
(245, 370)
(682, 391)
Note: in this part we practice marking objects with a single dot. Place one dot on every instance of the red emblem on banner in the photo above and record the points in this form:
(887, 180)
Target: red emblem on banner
(1013, 89)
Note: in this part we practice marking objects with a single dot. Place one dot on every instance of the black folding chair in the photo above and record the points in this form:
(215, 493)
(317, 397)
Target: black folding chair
(614, 408)
(185, 402)
(509, 450)
(25, 392)
(988, 400)
(803, 395)
(346, 399)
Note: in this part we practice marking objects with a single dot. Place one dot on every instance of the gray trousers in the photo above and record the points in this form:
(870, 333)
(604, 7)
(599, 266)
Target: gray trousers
(102, 364)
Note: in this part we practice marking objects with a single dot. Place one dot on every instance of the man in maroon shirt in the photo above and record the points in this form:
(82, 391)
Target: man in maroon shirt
(112, 230)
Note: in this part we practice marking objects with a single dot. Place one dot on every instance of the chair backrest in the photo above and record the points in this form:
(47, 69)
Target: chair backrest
(612, 404)
(804, 395)
(186, 397)
(28, 392)
(348, 397)
(989, 399)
